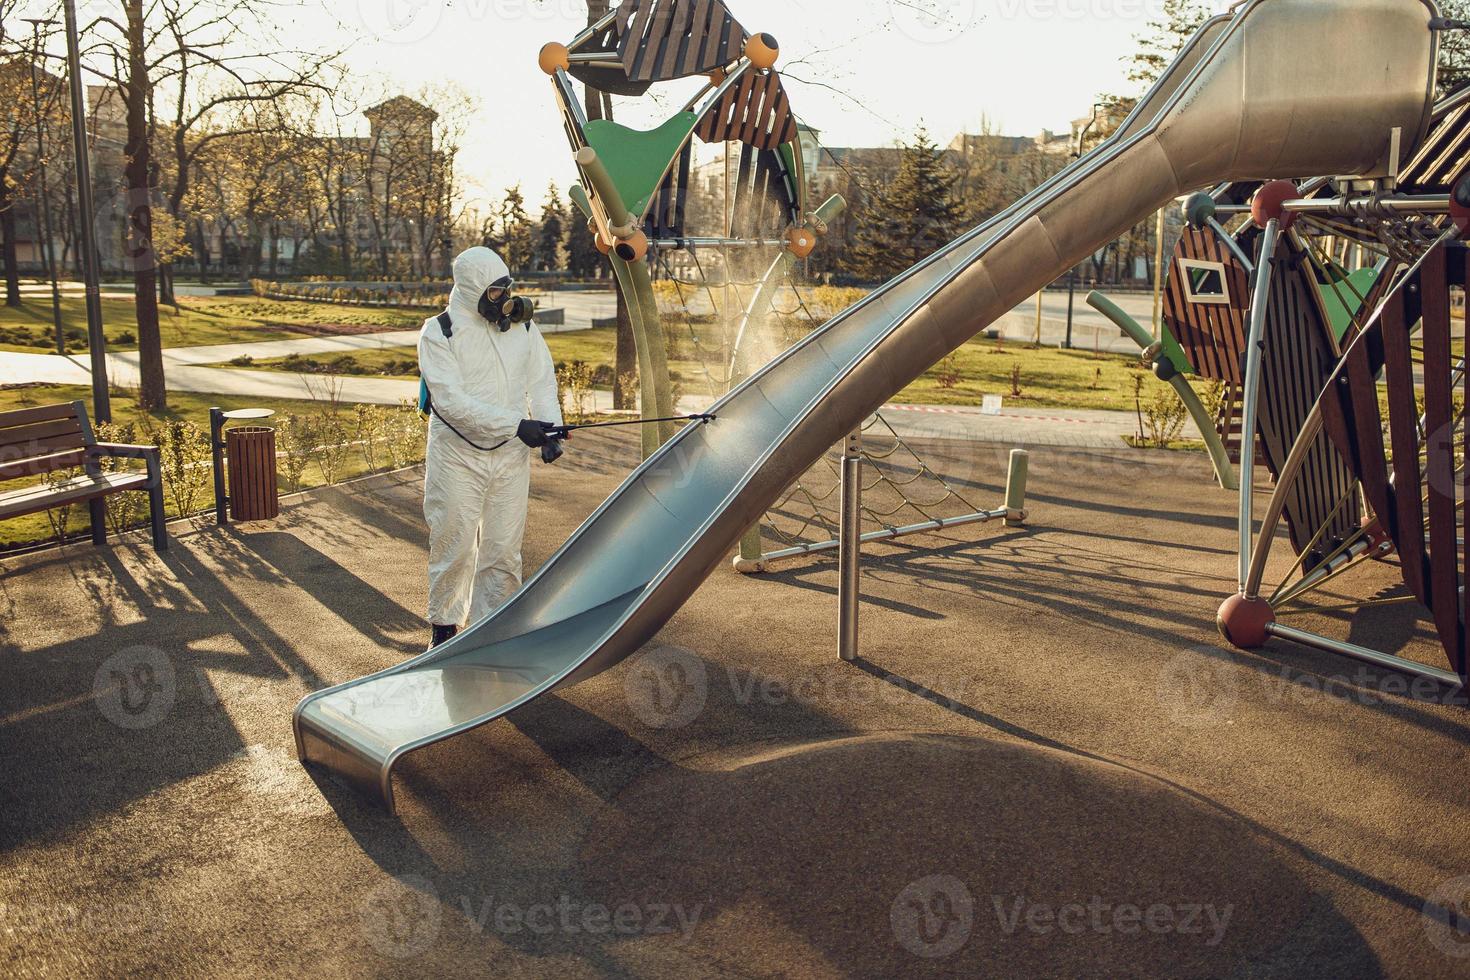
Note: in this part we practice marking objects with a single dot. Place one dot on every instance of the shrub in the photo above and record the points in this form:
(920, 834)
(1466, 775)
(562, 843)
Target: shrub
(574, 387)
(1164, 416)
(947, 373)
(244, 360)
(369, 425)
(58, 517)
(184, 450)
(1016, 381)
(628, 388)
(294, 439)
(330, 450)
(405, 434)
(124, 510)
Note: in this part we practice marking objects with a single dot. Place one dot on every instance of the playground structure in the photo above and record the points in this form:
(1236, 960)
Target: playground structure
(638, 194)
(1322, 315)
(630, 566)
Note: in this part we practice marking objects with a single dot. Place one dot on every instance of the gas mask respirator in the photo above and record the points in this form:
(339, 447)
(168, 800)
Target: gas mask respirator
(507, 308)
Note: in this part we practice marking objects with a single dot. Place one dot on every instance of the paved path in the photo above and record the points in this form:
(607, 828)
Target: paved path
(197, 369)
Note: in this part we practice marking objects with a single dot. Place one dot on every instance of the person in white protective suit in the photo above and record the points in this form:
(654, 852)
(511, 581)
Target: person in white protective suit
(492, 390)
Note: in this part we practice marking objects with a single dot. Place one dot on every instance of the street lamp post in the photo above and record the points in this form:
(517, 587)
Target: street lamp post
(48, 242)
(96, 341)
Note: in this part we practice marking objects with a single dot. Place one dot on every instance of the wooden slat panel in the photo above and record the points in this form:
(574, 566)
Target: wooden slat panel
(42, 464)
(16, 437)
(1297, 362)
(1366, 427)
(42, 413)
(1444, 558)
(756, 112)
(662, 40)
(16, 503)
(1212, 335)
(1403, 421)
(705, 40)
(1461, 657)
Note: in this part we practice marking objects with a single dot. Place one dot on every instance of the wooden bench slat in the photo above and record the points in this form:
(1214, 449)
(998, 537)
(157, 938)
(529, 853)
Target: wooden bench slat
(37, 465)
(19, 437)
(43, 413)
(28, 500)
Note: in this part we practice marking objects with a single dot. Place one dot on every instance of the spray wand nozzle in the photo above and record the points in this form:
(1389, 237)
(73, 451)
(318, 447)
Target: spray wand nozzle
(561, 431)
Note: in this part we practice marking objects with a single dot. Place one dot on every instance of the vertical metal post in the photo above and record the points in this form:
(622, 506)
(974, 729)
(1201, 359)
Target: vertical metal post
(1253, 359)
(48, 249)
(217, 449)
(1071, 300)
(1016, 488)
(849, 548)
(96, 340)
(1159, 275)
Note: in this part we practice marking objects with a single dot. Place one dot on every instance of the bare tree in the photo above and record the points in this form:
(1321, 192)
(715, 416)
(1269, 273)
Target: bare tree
(28, 93)
(178, 49)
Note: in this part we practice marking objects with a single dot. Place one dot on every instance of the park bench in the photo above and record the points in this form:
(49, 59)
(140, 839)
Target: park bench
(35, 441)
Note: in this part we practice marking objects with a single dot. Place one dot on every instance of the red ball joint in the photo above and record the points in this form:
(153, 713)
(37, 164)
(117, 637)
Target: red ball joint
(1267, 203)
(1243, 621)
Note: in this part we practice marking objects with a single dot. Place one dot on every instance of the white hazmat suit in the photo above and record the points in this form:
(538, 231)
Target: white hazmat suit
(485, 382)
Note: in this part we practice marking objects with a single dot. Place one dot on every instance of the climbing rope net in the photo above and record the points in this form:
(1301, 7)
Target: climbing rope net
(705, 313)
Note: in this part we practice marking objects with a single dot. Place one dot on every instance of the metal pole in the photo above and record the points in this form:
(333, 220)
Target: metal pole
(48, 245)
(1158, 274)
(1038, 317)
(850, 549)
(762, 562)
(1367, 656)
(217, 448)
(1071, 300)
(1251, 395)
(96, 341)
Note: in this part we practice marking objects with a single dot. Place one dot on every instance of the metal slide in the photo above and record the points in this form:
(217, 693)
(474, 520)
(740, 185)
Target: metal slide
(1276, 88)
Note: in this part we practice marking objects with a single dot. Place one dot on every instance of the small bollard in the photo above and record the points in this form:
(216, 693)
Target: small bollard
(1016, 488)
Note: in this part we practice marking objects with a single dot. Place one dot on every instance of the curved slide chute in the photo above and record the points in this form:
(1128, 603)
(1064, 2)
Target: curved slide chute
(1276, 88)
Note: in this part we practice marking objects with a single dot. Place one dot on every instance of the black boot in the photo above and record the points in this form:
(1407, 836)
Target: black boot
(443, 633)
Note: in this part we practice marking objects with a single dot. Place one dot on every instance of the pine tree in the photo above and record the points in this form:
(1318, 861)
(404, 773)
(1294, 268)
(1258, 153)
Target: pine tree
(1454, 50)
(910, 218)
(1178, 21)
(583, 259)
(516, 233)
(551, 231)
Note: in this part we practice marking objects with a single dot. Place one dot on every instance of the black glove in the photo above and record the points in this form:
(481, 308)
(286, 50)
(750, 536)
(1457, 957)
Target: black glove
(532, 433)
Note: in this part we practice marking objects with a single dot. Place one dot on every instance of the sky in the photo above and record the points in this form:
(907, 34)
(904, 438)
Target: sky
(863, 72)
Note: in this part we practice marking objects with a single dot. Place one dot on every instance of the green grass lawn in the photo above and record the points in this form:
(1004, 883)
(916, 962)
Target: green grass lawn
(379, 362)
(193, 408)
(198, 321)
(1049, 378)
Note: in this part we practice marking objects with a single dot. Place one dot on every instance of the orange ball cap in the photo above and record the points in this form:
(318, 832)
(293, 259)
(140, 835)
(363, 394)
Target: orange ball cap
(762, 50)
(555, 57)
(633, 249)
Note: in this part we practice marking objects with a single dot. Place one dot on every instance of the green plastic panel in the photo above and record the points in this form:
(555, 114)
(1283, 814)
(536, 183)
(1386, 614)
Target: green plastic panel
(788, 153)
(1171, 349)
(636, 159)
(1341, 299)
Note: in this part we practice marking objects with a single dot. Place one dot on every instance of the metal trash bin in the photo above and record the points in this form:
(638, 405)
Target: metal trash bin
(251, 451)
